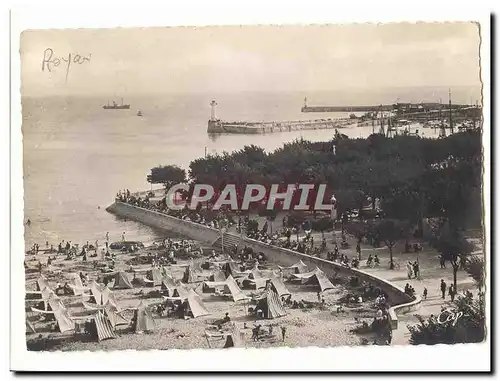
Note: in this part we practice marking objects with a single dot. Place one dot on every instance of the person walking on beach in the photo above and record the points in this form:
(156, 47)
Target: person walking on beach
(283, 333)
(107, 236)
(443, 288)
(96, 246)
(123, 236)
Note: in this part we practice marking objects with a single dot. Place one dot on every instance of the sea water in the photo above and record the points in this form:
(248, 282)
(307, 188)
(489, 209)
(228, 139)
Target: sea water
(78, 155)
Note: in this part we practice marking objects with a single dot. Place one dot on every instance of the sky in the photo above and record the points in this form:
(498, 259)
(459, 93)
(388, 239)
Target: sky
(235, 59)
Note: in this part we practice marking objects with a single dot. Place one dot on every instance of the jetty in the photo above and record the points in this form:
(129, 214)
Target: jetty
(424, 111)
(218, 126)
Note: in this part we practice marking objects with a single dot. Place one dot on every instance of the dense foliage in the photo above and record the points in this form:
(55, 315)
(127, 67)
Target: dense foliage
(463, 323)
(412, 177)
(167, 175)
(429, 177)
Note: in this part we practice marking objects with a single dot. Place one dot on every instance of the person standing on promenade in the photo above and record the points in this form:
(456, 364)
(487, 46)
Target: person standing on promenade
(424, 295)
(358, 250)
(442, 262)
(107, 236)
(409, 269)
(123, 237)
(451, 292)
(416, 269)
(443, 288)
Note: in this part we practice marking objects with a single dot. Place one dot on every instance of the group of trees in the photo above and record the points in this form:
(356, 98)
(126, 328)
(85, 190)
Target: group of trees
(412, 178)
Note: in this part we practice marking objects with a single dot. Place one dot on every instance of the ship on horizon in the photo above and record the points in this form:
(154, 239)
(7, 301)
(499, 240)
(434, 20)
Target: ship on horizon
(116, 106)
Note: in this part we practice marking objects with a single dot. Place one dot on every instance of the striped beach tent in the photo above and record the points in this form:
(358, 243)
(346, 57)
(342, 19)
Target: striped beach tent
(270, 303)
(103, 327)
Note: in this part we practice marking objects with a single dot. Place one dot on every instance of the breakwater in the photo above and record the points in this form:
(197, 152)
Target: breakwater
(400, 301)
(223, 127)
(346, 108)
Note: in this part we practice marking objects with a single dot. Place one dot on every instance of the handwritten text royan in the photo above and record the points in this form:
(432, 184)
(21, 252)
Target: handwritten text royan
(50, 61)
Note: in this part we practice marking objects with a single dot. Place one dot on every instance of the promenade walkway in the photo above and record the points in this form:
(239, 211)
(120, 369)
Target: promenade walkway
(430, 276)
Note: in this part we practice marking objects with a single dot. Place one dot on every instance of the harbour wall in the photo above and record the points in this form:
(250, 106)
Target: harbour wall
(401, 302)
(221, 127)
(346, 108)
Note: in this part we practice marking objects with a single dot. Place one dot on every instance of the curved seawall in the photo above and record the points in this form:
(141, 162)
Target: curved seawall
(401, 302)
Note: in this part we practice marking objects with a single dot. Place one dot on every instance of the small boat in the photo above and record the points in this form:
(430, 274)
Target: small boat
(139, 113)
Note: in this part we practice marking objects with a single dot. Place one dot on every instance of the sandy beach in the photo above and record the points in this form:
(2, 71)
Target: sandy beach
(319, 326)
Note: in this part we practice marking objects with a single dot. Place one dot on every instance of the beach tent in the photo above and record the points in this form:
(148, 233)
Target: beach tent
(45, 295)
(233, 339)
(232, 288)
(298, 268)
(121, 281)
(181, 291)
(41, 283)
(279, 286)
(210, 286)
(154, 276)
(76, 285)
(270, 303)
(255, 273)
(169, 285)
(316, 277)
(56, 309)
(55, 303)
(194, 305)
(100, 327)
(64, 321)
(59, 313)
(196, 267)
(29, 327)
(106, 294)
(256, 283)
(230, 268)
(143, 319)
(217, 278)
(95, 292)
(114, 315)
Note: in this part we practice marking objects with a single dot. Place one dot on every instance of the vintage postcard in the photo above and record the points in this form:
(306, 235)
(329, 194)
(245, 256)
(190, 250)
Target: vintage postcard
(256, 187)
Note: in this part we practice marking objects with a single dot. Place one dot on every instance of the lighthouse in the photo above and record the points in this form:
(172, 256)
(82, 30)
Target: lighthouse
(212, 111)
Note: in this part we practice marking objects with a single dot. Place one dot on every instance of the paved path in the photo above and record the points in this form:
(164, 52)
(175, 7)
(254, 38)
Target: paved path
(430, 276)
